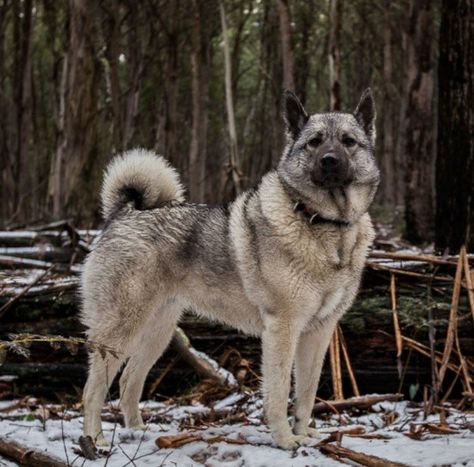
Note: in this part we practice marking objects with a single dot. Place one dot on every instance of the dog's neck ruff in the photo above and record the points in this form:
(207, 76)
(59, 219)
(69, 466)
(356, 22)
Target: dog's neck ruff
(314, 218)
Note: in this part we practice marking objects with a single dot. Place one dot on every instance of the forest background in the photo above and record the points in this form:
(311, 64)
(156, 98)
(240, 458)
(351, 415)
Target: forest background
(201, 82)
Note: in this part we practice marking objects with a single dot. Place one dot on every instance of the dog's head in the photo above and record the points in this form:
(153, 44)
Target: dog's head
(328, 152)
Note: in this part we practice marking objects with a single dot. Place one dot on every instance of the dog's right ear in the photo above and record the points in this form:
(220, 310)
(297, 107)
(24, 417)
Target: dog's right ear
(294, 114)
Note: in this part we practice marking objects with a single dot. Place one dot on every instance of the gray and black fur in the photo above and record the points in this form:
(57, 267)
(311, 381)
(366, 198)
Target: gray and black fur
(282, 262)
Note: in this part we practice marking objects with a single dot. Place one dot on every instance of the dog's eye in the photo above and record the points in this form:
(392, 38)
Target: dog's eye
(348, 141)
(315, 142)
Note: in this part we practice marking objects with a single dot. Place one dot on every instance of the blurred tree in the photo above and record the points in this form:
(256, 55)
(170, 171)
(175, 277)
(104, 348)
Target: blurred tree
(335, 14)
(418, 122)
(455, 159)
(77, 148)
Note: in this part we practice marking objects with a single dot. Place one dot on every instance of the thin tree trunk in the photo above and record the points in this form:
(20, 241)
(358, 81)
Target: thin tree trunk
(286, 45)
(233, 147)
(26, 166)
(197, 154)
(418, 124)
(455, 159)
(136, 62)
(112, 20)
(334, 54)
(388, 165)
(77, 141)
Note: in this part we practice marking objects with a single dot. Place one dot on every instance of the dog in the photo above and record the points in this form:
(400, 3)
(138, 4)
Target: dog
(283, 262)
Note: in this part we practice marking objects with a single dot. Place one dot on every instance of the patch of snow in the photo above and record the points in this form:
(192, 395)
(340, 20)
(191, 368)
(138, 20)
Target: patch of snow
(60, 438)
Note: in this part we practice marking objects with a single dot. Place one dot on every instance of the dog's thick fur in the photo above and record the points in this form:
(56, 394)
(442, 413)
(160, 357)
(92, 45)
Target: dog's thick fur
(259, 264)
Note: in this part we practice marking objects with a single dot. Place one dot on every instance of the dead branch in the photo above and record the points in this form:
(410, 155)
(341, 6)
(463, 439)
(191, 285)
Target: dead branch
(362, 402)
(350, 370)
(6, 260)
(203, 364)
(335, 360)
(361, 458)
(411, 257)
(14, 299)
(453, 321)
(396, 323)
(27, 456)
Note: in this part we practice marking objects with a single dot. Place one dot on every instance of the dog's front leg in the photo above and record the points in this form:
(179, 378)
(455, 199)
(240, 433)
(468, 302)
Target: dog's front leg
(312, 347)
(279, 340)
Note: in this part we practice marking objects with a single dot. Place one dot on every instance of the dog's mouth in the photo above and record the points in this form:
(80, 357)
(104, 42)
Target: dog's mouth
(331, 181)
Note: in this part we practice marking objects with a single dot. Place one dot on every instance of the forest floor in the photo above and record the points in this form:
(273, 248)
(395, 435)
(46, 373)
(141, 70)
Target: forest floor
(394, 431)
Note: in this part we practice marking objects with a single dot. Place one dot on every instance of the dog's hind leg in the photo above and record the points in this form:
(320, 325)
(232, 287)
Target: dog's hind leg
(102, 371)
(150, 344)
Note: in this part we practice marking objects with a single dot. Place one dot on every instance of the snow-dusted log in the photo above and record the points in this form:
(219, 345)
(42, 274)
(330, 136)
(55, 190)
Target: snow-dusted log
(27, 456)
(202, 363)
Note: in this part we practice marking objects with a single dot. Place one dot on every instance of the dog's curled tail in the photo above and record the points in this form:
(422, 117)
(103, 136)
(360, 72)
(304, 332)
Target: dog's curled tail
(140, 178)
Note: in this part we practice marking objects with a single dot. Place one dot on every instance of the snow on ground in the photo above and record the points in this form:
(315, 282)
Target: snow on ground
(382, 432)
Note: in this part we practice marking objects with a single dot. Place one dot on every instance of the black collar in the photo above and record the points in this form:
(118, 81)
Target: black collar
(315, 218)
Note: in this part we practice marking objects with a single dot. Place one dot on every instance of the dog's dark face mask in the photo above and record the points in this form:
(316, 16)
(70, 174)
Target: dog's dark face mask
(328, 151)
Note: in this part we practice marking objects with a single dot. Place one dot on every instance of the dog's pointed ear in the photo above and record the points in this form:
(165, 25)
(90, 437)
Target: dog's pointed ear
(294, 114)
(365, 114)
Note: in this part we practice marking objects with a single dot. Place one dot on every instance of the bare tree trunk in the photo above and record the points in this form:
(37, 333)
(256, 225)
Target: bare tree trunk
(455, 159)
(77, 141)
(418, 124)
(200, 88)
(286, 45)
(25, 174)
(334, 53)
(172, 88)
(388, 163)
(136, 66)
(112, 20)
(233, 147)
(303, 59)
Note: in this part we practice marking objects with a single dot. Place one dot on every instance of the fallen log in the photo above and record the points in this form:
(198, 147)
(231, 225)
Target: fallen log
(24, 263)
(25, 290)
(27, 456)
(202, 363)
(360, 457)
(362, 402)
(22, 238)
(40, 252)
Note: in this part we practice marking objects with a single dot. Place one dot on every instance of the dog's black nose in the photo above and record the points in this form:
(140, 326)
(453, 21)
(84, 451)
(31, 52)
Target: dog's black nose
(329, 161)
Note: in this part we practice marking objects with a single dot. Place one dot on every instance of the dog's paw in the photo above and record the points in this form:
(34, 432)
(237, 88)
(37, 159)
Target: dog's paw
(307, 431)
(291, 441)
(313, 433)
(102, 442)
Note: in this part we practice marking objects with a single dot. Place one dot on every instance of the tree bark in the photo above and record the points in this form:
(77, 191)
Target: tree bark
(388, 162)
(233, 147)
(77, 140)
(455, 159)
(25, 164)
(200, 97)
(335, 14)
(418, 124)
(286, 44)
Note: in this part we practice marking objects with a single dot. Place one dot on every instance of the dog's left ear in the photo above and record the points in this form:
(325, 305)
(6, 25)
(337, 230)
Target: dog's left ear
(365, 114)
(294, 114)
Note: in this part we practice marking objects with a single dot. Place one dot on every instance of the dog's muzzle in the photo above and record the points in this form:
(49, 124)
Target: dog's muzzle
(331, 171)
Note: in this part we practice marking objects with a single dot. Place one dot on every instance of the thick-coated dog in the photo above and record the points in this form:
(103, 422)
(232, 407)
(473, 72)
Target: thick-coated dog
(282, 262)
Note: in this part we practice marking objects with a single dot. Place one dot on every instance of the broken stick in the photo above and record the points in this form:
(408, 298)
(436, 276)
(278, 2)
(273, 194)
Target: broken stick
(363, 402)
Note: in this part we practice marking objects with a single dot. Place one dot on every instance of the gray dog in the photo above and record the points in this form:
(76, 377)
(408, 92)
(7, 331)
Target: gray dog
(282, 262)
